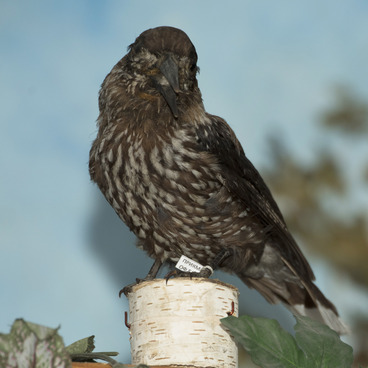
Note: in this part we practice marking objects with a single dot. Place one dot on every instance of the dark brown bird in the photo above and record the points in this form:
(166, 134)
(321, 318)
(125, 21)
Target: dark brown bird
(178, 177)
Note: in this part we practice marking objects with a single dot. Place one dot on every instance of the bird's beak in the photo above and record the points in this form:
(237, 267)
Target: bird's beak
(168, 84)
(170, 70)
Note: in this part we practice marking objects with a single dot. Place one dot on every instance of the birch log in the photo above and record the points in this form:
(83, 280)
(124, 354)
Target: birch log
(178, 323)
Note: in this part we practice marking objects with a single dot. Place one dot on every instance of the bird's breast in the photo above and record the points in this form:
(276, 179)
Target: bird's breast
(169, 193)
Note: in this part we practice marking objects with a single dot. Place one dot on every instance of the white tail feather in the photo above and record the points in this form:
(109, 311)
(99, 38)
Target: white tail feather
(323, 315)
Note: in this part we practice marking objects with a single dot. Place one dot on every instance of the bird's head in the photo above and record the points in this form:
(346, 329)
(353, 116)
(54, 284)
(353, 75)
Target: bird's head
(165, 59)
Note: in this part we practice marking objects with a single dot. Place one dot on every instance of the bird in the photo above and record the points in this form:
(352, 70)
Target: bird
(178, 177)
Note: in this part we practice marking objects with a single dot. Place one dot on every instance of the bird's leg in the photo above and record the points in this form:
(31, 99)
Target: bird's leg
(220, 257)
(207, 270)
(150, 276)
(225, 253)
(152, 272)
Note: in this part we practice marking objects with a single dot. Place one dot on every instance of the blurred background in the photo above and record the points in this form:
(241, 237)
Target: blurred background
(289, 77)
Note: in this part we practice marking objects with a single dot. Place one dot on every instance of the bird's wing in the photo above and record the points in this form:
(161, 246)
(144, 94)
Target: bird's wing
(243, 180)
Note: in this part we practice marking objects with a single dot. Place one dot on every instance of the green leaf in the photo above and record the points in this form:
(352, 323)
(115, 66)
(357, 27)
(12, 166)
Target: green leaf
(267, 343)
(82, 351)
(81, 346)
(32, 345)
(321, 345)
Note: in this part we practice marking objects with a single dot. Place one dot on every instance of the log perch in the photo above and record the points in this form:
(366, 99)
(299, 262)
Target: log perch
(178, 323)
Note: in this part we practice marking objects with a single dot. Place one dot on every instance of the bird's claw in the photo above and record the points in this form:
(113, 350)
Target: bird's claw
(127, 289)
(179, 273)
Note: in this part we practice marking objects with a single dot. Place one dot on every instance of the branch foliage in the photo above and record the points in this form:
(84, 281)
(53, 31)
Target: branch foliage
(270, 346)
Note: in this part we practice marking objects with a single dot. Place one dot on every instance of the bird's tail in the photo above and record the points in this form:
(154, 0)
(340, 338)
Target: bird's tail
(300, 298)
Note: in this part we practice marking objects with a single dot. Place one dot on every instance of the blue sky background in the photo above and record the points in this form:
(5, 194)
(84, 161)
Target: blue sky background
(265, 67)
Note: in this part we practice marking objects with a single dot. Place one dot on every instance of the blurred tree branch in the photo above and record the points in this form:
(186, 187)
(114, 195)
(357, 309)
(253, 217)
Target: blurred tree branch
(350, 115)
(304, 191)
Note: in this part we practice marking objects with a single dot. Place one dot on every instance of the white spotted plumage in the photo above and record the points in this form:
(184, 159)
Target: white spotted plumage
(179, 178)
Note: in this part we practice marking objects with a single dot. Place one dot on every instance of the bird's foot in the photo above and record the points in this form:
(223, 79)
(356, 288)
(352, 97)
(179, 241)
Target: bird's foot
(127, 289)
(177, 273)
(205, 272)
(150, 276)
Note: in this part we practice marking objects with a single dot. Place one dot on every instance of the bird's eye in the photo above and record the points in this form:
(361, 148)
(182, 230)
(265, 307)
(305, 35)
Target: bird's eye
(193, 67)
